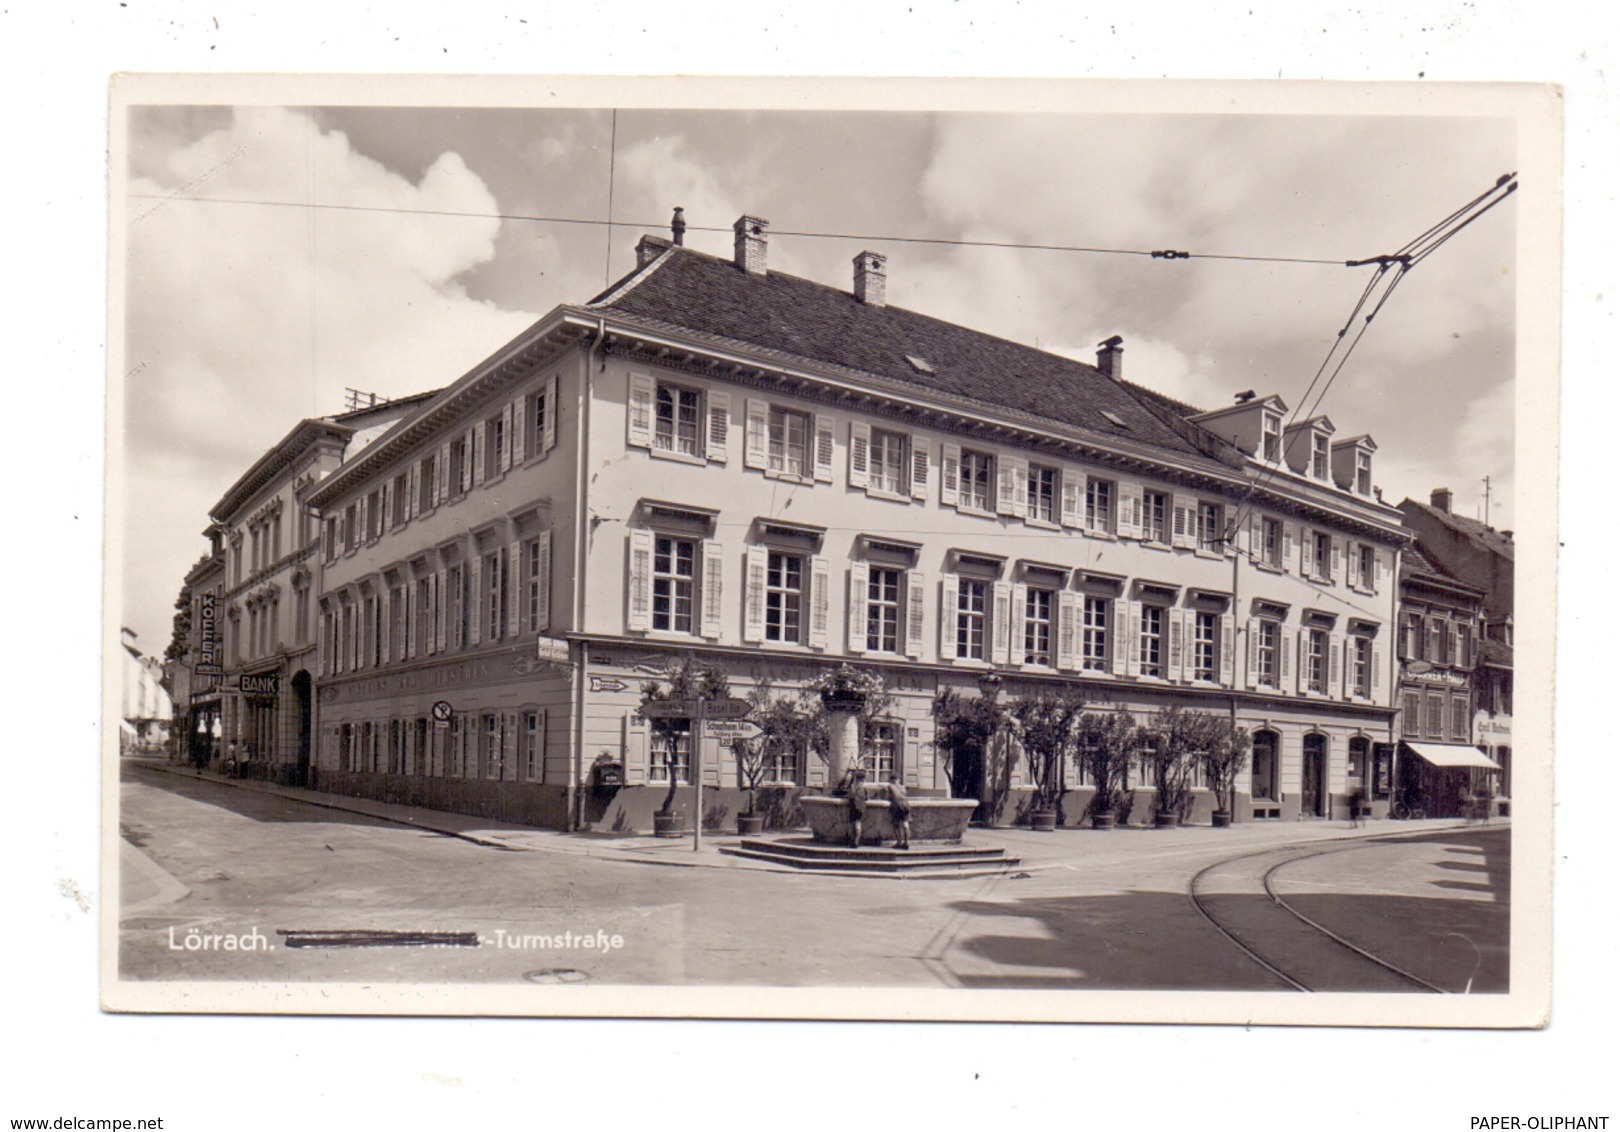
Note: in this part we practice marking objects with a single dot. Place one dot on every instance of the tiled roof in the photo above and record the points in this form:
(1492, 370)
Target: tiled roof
(1495, 652)
(691, 291)
(1485, 537)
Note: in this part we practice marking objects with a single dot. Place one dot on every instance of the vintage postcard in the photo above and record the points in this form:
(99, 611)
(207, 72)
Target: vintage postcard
(831, 549)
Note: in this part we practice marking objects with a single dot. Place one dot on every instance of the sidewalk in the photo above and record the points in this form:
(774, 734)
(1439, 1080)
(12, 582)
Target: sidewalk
(1065, 848)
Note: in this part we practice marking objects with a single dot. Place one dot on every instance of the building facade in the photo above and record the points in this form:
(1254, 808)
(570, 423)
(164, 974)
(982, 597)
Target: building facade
(715, 460)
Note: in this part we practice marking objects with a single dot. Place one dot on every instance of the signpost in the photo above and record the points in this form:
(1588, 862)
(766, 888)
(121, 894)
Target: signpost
(723, 713)
(730, 730)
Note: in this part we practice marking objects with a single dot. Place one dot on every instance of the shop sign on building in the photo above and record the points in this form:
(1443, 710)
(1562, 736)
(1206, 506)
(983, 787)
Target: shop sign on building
(208, 653)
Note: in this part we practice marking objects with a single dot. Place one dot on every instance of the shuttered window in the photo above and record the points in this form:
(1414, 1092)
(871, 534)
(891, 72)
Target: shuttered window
(1094, 635)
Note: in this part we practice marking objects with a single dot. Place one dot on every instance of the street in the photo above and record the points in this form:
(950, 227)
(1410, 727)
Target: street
(216, 876)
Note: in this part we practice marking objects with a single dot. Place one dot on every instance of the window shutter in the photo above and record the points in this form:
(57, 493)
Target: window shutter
(1184, 531)
(713, 588)
(1377, 688)
(1336, 569)
(508, 418)
(919, 467)
(440, 613)
(815, 771)
(1074, 498)
(1227, 645)
(1291, 648)
(1068, 630)
(442, 474)
(1009, 483)
(480, 439)
(1121, 613)
(520, 437)
(543, 580)
(820, 599)
(1175, 630)
(1288, 547)
(1133, 647)
(950, 471)
(858, 582)
(1001, 623)
(1336, 666)
(916, 590)
(412, 475)
(638, 616)
(386, 611)
(860, 443)
(1019, 622)
(639, 418)
(1307, 553)
(1251, 676)
(1130, 510)
(515, 590)
(410, 620)
(475, 600)
(718, 432)
(824, 448)
(1378, 571)
(1257, 538)
(1353, 567)
(635, 749)
(949, 588)
(1019, 466)
(754, 598)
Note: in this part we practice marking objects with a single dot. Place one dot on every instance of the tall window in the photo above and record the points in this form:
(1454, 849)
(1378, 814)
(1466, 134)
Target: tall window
(1154, 506)
(535, 439)
(1361, 667)
(1316, 660)
(882, 756)
(1038, 626)
(1211, 526)
(1271, 548)
(790, 442)
(680, 733)
(494, 445)
(1041, 488)
(1150, 645)
(784, 597)
(1271, 433)
(978, 476)
(424, 613)
(495, 595)
(351, 527)
(676, 427)
(1411, 714)
(1265, 652)
(374, 516)
(400, 497)
(1094, 635)
(1099, 506)
(1319, 456)
(1435, 724)
(456, 581)
(532, 583)
(888, 462)
(533, 747)
(674, 587)
(426, 484)
(492, 755)
(1322, 555)
(1205, 627)
(460, 465)
(883, 610)
(1366, 565)
(396, 627)
(970, 618)
(1459, 718)
(1363, 473)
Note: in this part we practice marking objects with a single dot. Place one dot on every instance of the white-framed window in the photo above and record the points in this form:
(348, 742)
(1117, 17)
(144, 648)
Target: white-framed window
(1361, 667)
(1155, 512)
(1040, 495)
(351, 528)
(537, 583)
(534, 746)
(781, 763)
(1267, 648)
(538, 420)
(1319, 455)
(495, 595)
(881, 759)
(1094, 634)
(455, 578)
(397, 622)
(889, 462)
(972, 597)
(460, 468)
(883, 609)
(426, 483)
(396, 746)
(1150, 642)
(399, 499)
(1205, 646)
(679, 731)
(678, 420)
(1271, 437)
(1038, 613)
(492, 755)
(1366, 566)
(1271, 542)
(789, 442)
(674, 584)
(495, 439)
(1363, 483)
(784, 597)
(1316, 660)
(1211, 525)
(978, 479)
(1321, 556)
(1099, 506)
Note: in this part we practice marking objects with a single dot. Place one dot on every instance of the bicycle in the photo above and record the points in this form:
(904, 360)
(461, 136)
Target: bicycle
(1410, 808)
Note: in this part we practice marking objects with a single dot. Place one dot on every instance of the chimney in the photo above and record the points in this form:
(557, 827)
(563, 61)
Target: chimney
(869, 278)
(649, 249)
(677, 226)
(748, 244)
(1111, 357)
(1440, 499)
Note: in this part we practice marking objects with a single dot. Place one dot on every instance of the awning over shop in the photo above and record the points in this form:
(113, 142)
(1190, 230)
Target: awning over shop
(1447, 755)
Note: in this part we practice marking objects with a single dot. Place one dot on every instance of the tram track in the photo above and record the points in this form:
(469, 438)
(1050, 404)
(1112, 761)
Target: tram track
(1294, 948)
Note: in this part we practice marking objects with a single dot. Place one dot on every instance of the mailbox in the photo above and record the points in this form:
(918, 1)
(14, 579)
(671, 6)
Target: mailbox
(608, 775)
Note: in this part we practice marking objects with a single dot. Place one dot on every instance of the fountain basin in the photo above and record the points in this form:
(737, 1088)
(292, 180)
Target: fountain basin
(932, 819)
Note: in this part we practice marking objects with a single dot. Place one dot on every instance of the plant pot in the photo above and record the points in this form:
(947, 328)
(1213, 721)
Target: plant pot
(1166, 821)
(1102, 821)
(1044, 821)
(1220, 819)
(750, 825)
(669, 825)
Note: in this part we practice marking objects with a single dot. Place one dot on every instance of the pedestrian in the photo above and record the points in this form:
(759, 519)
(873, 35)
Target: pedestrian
(899, 813)
(853, 788)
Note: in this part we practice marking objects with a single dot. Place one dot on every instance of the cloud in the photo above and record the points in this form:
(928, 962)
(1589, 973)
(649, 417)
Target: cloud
(242, 319)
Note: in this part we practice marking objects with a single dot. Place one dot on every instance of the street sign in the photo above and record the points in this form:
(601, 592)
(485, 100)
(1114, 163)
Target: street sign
(551, 650)
(667, 709)
(607, 684)
(442, 711)
(726, 709)
(730, 730)
(696, 709)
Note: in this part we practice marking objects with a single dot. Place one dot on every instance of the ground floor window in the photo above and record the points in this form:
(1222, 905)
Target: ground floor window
(1263, 776)
(881, 759)
(680, 732)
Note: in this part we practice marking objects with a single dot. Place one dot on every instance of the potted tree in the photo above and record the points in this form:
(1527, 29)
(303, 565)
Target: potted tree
(783, 730)
(1171, 749)
(1225, 755)
(687, 679)
(963, 729)
(1043, 723)
(1105, 743)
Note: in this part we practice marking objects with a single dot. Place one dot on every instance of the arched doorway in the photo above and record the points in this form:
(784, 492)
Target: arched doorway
(1263, 762)
(303, 698)
(1313, 776)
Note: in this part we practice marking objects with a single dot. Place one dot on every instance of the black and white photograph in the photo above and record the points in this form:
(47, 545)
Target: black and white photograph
(920, 558)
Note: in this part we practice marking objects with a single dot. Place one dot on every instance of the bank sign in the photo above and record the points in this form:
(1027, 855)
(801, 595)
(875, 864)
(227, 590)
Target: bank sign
(208, 653)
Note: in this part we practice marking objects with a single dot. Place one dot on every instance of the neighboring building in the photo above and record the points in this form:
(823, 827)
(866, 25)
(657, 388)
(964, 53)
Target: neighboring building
(195, 673)
(264, 607)
(775, 476)
(146, 710)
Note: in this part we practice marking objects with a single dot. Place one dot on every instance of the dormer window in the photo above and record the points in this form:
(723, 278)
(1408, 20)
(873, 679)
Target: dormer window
(1319, 456)
(1363, 473)
(1271, 438)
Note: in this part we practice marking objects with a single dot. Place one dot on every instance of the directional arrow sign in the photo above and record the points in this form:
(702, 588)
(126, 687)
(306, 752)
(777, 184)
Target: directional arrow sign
(730, 730)
(695, 709)
(726, 709)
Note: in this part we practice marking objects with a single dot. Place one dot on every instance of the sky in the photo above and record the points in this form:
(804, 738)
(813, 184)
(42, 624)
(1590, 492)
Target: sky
(247, 309)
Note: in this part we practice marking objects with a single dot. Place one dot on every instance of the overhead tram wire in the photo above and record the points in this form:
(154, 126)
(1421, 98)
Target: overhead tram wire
(1392, 270)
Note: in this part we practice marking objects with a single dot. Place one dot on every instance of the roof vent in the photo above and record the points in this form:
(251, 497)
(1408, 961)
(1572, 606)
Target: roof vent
(677, 226)
(1114, 418)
